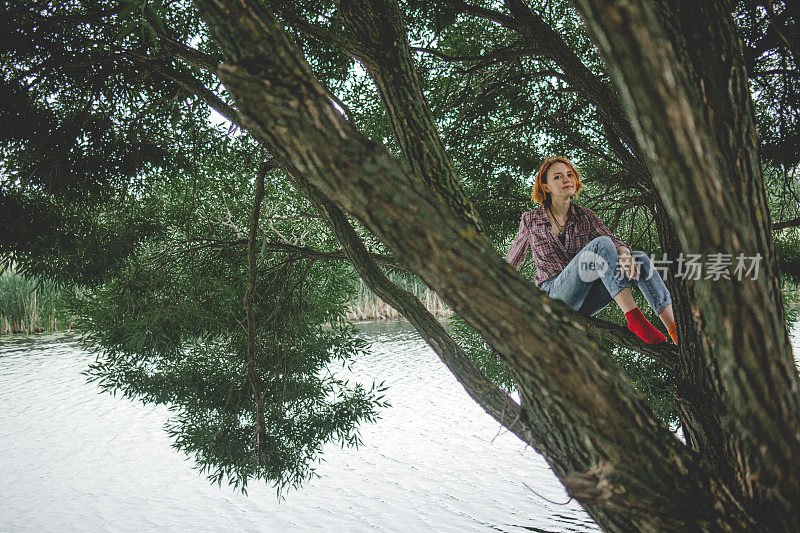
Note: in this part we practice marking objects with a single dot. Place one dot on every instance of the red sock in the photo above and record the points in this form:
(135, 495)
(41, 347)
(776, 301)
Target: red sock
(638, 324)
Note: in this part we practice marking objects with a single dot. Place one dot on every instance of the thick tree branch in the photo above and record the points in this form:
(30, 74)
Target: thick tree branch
(378, 26)
(188, 54)
(584, 415)
(665, 353)
(687, 98)
(488, 14)
(337, 41)
(489, 396)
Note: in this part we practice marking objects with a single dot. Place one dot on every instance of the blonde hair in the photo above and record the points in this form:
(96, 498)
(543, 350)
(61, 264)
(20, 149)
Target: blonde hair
(539, 195)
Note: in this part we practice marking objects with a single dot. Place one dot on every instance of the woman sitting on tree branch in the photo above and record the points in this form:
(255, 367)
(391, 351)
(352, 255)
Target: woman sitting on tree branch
(578, 259)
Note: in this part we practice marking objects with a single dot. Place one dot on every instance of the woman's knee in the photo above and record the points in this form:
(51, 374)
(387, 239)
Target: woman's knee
(641, 257)
(599, 256)
(604, 245)
(643, 262)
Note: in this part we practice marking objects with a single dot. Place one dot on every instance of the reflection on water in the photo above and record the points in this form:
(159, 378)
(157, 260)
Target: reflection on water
(75, 459)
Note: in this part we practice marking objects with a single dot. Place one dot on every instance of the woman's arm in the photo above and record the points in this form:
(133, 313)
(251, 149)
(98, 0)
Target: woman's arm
(518, 251)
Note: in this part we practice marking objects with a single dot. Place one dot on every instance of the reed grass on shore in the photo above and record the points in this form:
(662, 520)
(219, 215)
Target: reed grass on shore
(27, 306)
(367, 306)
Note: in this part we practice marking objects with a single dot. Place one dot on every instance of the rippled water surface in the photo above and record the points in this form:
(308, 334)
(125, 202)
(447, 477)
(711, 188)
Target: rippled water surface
(72, 458)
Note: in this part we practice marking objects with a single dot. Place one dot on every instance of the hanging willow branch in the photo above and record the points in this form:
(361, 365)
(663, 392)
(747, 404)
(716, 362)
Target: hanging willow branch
(263, 168)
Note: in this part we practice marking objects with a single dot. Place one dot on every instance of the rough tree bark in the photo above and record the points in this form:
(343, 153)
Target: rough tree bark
(391, 67)
(379, 34)
(592, 426)
(698, 401)
(377, 26)
(679, 70)
(487, 395)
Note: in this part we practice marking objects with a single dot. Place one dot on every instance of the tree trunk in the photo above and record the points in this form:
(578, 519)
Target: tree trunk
(693, 393)
(679, 71)
(591, 425)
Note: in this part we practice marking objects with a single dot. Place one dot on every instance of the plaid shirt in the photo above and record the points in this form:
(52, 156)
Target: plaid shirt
(549, 255)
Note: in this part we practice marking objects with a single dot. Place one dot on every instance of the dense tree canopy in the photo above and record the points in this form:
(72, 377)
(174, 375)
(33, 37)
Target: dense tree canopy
(187, 168)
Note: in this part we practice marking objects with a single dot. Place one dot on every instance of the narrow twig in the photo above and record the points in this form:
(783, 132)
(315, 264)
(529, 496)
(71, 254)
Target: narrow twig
(547, 499)
(263, 168)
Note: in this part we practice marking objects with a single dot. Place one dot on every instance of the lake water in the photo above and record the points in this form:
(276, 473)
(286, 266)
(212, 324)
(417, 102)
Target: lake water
(75, 459)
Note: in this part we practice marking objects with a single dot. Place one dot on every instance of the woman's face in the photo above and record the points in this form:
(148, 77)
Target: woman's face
(561, 181)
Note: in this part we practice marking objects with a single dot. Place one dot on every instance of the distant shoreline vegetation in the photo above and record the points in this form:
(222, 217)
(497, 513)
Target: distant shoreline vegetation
(28, 306)
(367, 306)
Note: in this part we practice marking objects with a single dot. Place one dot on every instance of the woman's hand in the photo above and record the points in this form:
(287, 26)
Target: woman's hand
(627, 263)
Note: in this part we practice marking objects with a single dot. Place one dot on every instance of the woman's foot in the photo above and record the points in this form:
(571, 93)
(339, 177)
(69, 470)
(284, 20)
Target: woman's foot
(673, 333)
(643, 329)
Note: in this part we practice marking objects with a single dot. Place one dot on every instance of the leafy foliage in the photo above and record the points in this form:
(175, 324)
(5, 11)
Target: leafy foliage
(117, 178)
(169, 328)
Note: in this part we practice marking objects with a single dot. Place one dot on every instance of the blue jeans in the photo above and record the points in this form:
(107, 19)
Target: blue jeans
(591, 280)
